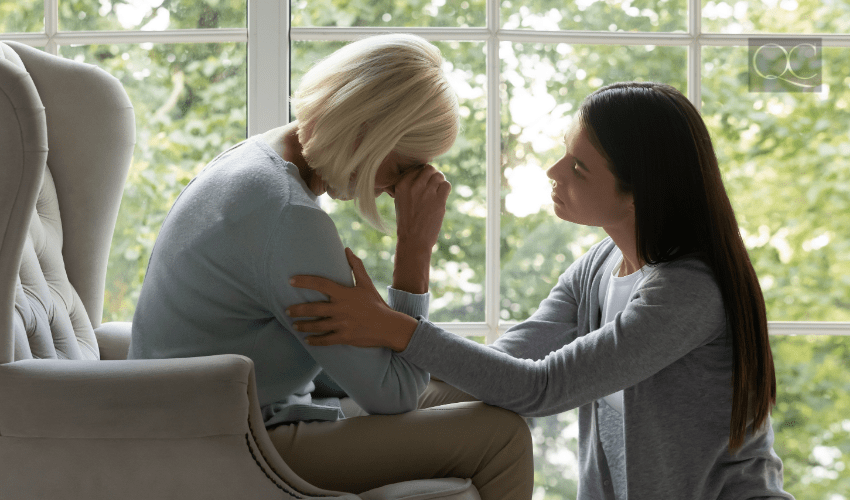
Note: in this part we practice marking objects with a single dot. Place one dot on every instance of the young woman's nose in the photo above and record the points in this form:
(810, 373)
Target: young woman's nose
(557, 170)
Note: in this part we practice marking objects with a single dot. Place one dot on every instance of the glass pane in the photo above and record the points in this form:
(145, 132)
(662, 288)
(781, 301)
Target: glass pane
(542, 87)
(457, 273)
(413, 13)
(775, 16)
(152, 15)
(811, 419)
(190, 103)
(21, 16)
(596, 15)
(555, 449)
(784, 160)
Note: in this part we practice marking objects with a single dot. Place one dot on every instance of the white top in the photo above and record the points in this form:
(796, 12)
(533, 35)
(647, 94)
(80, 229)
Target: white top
(614, 293)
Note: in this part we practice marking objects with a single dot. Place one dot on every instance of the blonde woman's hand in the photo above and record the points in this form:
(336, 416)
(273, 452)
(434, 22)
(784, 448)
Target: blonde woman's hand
(356, 316)
(420, 205)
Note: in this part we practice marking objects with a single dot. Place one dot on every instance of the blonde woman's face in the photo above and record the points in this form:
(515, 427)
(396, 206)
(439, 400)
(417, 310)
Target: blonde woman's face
(392, 170)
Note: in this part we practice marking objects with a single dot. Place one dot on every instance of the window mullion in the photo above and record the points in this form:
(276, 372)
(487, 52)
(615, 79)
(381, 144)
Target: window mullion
(695, 53)
(492, 297)
(268, 65)
(346, 34)
(830, 328)
(212, 35)
(51, 25)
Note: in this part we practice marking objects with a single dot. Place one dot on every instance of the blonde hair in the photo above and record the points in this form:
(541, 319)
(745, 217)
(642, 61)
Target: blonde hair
(372, 97)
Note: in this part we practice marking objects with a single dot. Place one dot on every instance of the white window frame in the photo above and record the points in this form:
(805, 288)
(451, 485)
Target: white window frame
(269, 35)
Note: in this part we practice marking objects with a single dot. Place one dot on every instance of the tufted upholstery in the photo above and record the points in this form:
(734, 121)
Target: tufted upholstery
(92, 133)
(51, 320)
(101, 426)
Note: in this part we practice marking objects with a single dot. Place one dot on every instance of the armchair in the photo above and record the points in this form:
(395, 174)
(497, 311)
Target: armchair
(77, 419)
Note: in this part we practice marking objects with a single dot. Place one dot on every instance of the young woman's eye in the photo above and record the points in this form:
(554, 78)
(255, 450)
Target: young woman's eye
(575, 169)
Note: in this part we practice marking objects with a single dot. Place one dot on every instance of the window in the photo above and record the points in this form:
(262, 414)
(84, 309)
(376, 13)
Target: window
(183, 64)
(522, 68)
(199, 83)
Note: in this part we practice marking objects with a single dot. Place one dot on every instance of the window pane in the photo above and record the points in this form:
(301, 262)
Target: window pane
(21, 16)
(595, 15)
(811, 419)
(153, 15)
(457, 273)
(784, 160)
(775, 16)
(190, 103)
(413, 13)
(555, 448)
(542, 87)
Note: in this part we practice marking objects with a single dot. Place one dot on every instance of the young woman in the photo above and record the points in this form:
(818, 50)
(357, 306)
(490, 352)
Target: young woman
(658, 334)
(369, 117)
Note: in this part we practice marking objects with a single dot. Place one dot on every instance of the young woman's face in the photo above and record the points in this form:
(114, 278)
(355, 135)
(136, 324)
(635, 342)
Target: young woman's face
(584, 190)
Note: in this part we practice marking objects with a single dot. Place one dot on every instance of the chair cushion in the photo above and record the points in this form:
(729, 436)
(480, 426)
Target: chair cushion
(425, 489)
(51, 321)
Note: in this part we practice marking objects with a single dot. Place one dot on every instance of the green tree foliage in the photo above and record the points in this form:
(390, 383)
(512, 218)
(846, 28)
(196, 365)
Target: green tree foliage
(190, 103)
(783, 158)
(21, 16)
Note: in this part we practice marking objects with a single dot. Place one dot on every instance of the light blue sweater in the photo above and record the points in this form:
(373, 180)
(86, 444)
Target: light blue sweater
(669, 351)
(218, 282)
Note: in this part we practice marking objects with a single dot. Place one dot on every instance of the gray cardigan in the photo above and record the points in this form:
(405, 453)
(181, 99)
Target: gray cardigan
(670, 352)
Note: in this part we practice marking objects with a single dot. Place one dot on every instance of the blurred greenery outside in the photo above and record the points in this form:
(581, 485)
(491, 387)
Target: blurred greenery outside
(784, 160)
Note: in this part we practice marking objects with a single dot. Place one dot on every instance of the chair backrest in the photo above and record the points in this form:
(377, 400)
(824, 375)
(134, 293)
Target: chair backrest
(57, 222)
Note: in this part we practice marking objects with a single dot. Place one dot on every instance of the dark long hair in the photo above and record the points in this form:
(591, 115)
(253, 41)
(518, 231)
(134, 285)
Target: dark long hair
(659, 150)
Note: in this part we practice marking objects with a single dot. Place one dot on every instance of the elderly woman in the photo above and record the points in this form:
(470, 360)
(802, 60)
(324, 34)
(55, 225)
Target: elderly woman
(369, 119)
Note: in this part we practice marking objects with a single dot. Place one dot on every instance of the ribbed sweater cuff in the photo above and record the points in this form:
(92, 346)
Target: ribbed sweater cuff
(411, 304)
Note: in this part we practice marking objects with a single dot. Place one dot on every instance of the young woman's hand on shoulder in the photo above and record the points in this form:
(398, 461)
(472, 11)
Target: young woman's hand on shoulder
(356, 316)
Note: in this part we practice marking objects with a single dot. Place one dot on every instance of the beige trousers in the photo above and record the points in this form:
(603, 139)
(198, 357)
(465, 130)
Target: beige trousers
(450, 435)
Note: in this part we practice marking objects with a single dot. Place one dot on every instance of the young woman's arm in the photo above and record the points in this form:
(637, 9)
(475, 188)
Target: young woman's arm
(552, 326)
(555, 323)
(676, 311)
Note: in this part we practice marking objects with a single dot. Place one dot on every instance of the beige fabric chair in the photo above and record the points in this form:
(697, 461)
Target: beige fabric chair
(78, 420)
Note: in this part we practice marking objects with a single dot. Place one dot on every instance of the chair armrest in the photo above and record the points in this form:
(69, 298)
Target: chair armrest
(162, 398)
(138, 429)
(113, 339)
(145, 426)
